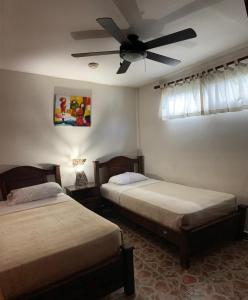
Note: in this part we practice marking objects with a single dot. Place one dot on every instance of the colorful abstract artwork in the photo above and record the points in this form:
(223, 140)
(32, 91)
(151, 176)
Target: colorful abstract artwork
(72, 110)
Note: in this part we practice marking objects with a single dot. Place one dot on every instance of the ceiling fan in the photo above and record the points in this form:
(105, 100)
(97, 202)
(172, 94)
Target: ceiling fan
(132, 49)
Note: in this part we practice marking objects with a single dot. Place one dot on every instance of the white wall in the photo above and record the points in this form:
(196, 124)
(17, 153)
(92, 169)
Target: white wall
(206, 151)
(28, 135)
(209, 152)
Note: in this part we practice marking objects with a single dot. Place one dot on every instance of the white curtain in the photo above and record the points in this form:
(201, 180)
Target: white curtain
(181, 100)
(215, 92)
(226, 90)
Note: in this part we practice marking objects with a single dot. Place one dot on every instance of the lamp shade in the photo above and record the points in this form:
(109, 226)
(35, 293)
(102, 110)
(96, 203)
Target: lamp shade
(78, 162)
(81, 178)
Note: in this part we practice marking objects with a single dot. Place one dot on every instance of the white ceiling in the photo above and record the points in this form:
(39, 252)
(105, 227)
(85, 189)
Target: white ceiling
(36, 36)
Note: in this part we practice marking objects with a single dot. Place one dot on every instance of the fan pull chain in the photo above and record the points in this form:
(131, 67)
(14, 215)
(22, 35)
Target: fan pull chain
(145, 64)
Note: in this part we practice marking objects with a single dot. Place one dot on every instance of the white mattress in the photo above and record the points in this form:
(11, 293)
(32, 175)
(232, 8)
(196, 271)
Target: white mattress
(169, 204)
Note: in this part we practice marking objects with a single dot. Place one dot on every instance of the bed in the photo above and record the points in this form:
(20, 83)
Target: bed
(191, 218)
(45, 255)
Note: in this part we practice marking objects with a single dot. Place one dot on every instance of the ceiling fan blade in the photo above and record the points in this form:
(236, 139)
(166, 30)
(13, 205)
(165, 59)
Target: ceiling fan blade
(86, 54)
(246, 6)
(162, 59)
(182, 35)
(92, 34)
(123, 67)
(109, 25)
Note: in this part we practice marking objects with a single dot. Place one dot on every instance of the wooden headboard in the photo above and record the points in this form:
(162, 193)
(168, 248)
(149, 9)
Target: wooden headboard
(117, 165)
(23, 176)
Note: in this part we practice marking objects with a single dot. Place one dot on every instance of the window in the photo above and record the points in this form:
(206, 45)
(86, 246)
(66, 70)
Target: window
(216, 91)
(181, 100)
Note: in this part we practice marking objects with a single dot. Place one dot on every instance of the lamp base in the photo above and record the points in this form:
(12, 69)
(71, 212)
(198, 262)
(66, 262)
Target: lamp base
(81, 178)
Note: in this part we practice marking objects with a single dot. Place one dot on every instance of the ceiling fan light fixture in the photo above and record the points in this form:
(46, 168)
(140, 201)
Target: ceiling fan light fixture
(133, 56)
(93, 65)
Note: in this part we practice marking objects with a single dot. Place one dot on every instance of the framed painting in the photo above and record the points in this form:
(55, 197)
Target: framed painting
(72, 110)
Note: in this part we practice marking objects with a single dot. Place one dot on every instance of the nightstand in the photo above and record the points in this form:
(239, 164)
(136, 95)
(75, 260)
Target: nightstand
(88, 195)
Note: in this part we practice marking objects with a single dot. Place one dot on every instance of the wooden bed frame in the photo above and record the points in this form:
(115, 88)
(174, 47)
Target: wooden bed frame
(188, 240)
(92, 283)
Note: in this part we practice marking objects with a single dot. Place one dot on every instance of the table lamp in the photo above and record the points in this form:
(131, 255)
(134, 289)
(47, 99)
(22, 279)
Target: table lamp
(81, 178)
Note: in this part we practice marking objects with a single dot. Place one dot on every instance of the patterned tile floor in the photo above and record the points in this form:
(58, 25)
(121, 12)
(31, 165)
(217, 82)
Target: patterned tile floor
(220, 274)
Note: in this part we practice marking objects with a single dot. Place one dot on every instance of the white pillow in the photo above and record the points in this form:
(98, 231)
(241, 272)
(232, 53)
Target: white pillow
(126, 178)
(34, 192)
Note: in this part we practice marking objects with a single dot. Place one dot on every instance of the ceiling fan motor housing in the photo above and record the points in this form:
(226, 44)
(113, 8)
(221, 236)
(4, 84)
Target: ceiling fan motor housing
(132, 50)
